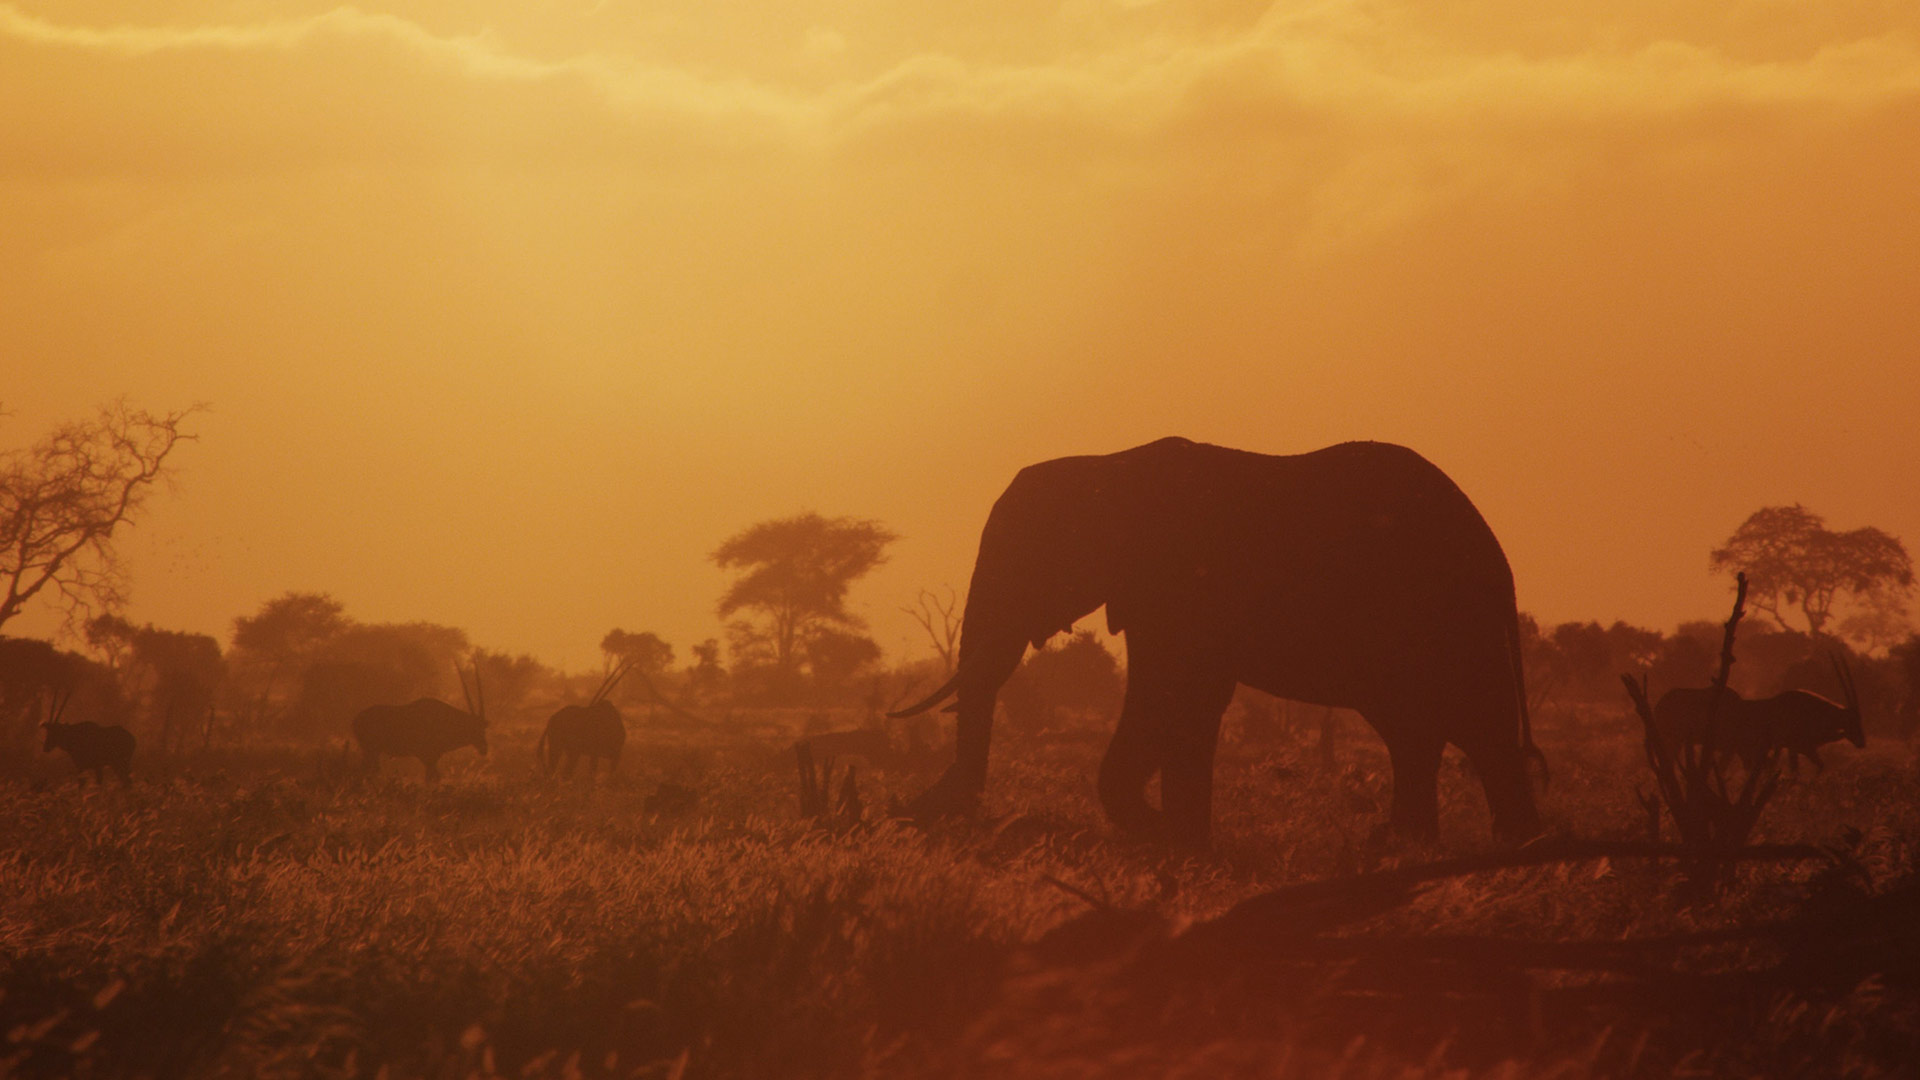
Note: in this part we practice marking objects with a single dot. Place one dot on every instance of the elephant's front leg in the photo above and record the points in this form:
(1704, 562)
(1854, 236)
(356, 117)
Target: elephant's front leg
(1186, 771)
(1132, 757)
(1170, 723)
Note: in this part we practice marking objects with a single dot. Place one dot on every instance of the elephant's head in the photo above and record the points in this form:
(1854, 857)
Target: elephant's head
(1047, 558)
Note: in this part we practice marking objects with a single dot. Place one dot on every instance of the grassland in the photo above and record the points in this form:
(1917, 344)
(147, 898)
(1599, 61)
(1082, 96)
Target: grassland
(274, 912)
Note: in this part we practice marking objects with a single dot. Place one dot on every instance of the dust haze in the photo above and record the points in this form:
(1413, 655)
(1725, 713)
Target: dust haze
(675, 540)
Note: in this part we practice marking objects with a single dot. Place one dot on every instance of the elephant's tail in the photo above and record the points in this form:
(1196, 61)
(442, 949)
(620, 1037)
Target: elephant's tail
(1527, 745)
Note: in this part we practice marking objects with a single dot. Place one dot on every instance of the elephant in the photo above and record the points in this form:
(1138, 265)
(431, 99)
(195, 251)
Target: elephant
(1357, 576)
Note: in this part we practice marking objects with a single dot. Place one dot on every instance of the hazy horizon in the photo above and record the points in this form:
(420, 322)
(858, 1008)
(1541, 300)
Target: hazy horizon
(508, 317)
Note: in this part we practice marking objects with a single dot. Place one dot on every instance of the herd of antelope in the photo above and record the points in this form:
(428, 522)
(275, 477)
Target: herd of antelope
(1796, 723)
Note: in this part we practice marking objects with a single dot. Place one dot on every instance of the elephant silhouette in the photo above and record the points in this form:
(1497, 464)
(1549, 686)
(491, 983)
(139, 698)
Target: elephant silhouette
(1357, 576)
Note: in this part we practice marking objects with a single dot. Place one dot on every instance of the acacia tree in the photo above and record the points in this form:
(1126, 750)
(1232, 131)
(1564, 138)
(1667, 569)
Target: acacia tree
(648, 653)
(1792, 560)
(279, 642)
(795, 573)
(509, 679)
(706, 676)
(63, 499)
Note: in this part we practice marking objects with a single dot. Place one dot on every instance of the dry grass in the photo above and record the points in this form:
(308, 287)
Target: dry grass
(274, 913)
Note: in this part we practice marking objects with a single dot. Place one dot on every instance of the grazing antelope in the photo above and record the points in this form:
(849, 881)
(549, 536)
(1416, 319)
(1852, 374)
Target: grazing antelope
(91, 746)
(424, 729)
(1796, 721)
(592, 731)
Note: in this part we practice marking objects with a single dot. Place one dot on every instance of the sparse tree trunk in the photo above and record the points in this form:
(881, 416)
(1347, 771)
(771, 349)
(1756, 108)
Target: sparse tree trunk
(1713, 820)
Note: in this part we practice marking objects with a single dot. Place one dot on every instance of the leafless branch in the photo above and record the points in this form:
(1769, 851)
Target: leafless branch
(940, 618)
(1693, 777)
(63, 499)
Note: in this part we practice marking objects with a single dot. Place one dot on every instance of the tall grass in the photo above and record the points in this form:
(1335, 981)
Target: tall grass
(285, 915)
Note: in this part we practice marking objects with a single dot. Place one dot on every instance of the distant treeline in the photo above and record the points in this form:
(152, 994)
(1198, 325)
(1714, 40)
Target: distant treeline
(300, 668)
(1580, 663)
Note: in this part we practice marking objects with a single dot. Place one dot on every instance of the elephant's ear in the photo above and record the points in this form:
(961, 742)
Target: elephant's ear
(1118, 610)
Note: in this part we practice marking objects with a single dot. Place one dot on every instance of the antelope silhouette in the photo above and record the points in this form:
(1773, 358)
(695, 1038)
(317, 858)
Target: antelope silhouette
(1798, 722)
(592, 731)
(93, 747)
(424, 729)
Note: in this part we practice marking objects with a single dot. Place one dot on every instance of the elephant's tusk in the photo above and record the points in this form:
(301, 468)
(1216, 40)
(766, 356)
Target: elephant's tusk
(929, 701)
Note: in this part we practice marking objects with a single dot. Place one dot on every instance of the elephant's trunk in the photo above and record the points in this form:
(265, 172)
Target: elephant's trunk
(989, 668)
(985, 663)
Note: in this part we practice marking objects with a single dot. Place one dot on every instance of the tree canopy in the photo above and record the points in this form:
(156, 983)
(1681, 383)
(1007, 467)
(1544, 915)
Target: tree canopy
(794, 576)
(176, 674)
(63, 499)
(646, 650)
(1793, 561)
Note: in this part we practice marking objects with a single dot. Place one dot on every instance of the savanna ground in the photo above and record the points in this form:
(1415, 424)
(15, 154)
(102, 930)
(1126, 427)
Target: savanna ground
(275, 912)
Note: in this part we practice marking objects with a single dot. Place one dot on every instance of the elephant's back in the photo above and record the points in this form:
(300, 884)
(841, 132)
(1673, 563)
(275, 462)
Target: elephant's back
(1388, 498)
(1379, 506)
(1362, 553)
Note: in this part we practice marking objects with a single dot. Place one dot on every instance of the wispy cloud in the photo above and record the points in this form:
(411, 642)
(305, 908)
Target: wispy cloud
(1333, 57)
(1340, 119)
(479, 55)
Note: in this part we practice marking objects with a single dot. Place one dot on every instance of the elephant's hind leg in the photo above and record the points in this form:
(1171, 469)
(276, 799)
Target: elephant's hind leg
(1502, 766)
(1416, 783)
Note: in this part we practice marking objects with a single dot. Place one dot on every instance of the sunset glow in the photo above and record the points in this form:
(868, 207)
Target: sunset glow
(508, 315)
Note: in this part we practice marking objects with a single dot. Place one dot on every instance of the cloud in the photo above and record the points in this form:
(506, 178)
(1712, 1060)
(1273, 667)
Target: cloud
(376, 38)
(1341, 57)
(1355, 116)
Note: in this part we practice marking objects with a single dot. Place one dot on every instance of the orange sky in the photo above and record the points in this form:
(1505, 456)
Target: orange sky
(509, 313)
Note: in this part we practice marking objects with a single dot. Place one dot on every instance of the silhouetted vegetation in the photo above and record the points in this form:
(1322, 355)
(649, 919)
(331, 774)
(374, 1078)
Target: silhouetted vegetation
(1793, 561)
(645, 652)
(63, 498)
(256, 903)
(794, 576)
(1072, 683)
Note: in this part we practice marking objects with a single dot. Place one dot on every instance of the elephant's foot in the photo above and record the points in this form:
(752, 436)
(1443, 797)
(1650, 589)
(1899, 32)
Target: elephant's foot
(1138, 819)
(1517, 829)
(953, 795)
(1389, 838)
(1413, 827)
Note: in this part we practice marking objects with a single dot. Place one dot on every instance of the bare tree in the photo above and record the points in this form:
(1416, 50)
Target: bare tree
(63, 498)
(940, 617)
